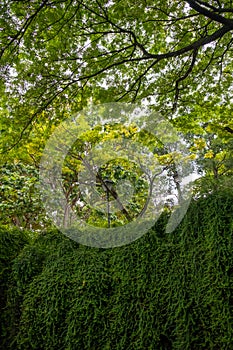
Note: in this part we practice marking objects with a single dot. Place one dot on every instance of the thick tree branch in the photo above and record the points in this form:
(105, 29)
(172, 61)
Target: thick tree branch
(207, 5)
(195, 45)
(227, 128)
(212, 15)
(218, 9)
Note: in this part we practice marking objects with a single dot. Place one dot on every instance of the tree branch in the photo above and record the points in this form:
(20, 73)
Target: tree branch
(195, 45)
(212, 15)
(24, 28)
(183, 78)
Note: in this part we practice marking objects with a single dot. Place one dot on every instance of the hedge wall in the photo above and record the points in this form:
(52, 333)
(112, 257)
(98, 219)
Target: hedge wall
(164, 291)
(12, 242)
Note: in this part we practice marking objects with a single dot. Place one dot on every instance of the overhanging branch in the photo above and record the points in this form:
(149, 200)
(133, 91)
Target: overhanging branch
(212, 15)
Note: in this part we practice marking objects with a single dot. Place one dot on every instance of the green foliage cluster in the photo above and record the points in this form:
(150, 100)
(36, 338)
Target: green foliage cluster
(12, 242)
(117, 168)
(164, 291)
(21, 204)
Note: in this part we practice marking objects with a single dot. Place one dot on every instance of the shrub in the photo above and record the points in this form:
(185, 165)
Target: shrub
(163, 291)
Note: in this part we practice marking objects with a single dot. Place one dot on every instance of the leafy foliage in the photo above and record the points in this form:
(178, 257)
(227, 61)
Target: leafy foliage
(20, 200)
(56, 55)
(12, 242)
(164, 291)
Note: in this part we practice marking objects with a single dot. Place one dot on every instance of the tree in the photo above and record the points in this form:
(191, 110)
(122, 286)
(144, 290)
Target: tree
(104, 180)
(56, 52)
(114, 166)
(209, 135)
(57, 56)
(21, 204)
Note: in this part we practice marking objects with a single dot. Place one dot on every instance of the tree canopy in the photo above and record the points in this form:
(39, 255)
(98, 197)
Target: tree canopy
(175, 56)
(175, 52)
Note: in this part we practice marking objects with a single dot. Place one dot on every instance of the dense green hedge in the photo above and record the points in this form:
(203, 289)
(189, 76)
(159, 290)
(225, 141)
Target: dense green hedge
(12, 242)
(164, 291)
